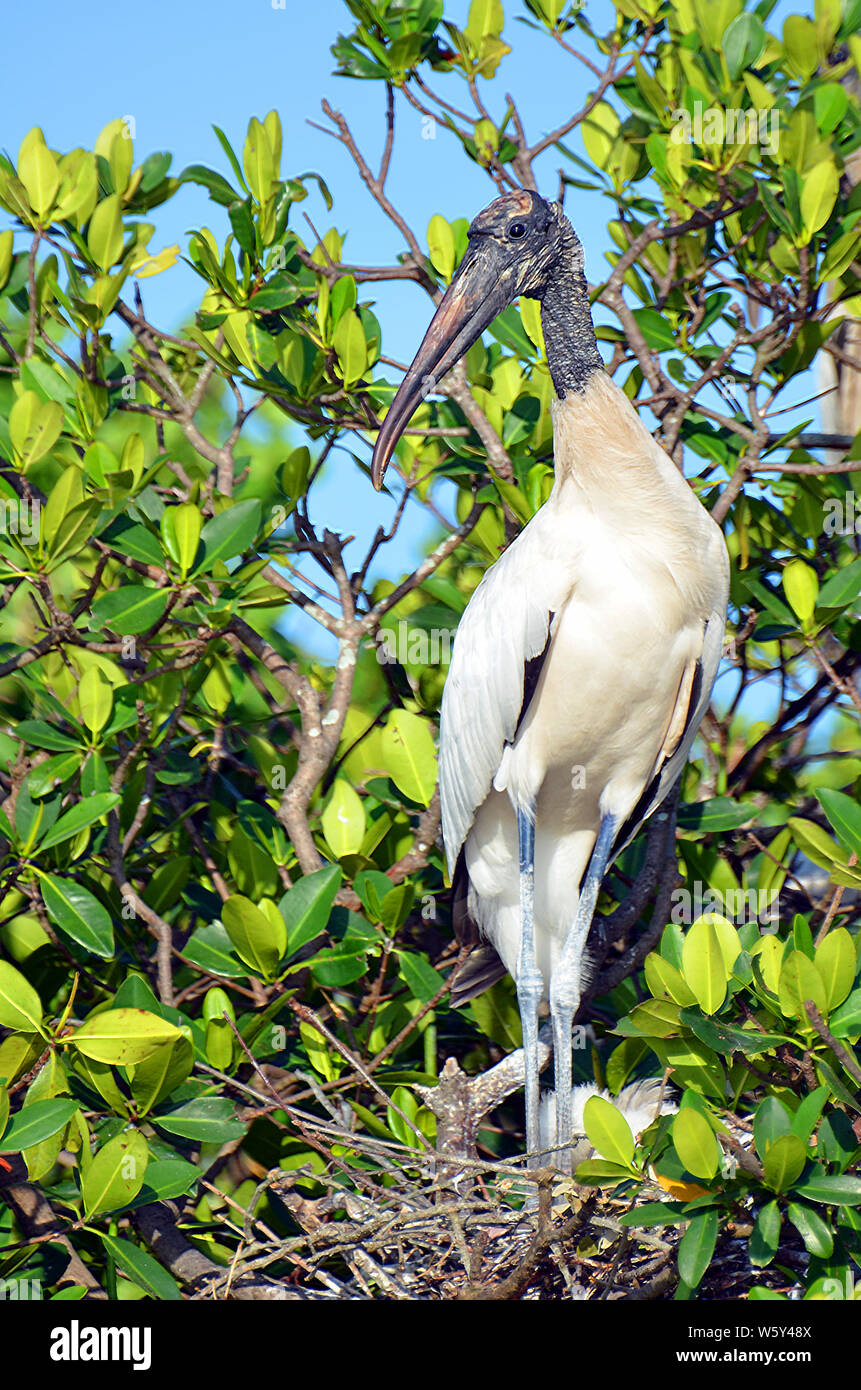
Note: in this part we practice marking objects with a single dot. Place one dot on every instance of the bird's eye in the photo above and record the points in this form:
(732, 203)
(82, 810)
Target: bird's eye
(517, 230)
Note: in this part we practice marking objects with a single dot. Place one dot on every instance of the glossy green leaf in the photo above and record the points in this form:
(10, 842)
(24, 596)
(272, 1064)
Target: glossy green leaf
(77, 913)
(410, 756)
(257, 939)
(37, 1122)
(608, 1131)
(116, 1174)
(20, 1005)
(695, 1143)
(122, 1036)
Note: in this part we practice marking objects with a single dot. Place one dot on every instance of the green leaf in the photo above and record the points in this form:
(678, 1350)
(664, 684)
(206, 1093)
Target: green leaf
(259, 941)
(307, 905)
(770, 1122)
(115, 1175)
(819, 190)
(421, 978)
(743, 43)
(832, 1189)
(697, 1245)
(765, 1238)
(844, 815)
(210, 948)
(801, 586)
(20, 1005)
(105, 232)
(96, 699)
(719, 813)
(37, 1122)
(122, 1036)
(167, 1178)
(842, 587)
(37, 170)
(34, 427)
(211, 1120)
(85, 813)
(181, 529)
(704, 967)
(343, 819)
(441, 247)
(784, 1161)
(835, 961)
(664, 980)
(806, 1117)
(845, 1022)
(727, 1038)
(608, 1131)
(410, 756)
(351, 347)
(77, 913)
(817, 1237)
(800, 981)
(142, 1269)
(830, 104)
(497, 1015)
(258, 160)
(230, 533)
(695, 1143)
(130, 610)
(341, 964)
(160, 1073)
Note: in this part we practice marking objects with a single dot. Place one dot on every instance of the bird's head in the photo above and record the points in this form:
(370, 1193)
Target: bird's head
(515, 246)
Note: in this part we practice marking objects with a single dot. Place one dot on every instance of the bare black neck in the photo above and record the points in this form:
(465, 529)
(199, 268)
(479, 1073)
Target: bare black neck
(569, 335)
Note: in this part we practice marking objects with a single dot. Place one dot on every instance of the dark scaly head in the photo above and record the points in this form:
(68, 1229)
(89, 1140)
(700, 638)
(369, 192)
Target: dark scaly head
(519, 245)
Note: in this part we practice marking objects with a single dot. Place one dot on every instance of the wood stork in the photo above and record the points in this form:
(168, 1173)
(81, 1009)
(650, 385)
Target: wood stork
(584, 661)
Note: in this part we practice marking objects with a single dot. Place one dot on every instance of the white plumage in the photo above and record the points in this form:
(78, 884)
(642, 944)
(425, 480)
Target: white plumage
(641, 1103)
(628, 574)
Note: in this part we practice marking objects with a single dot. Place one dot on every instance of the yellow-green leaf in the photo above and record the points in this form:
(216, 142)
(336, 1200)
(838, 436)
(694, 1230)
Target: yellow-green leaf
(441, 247)
(34, 426)
(665, 981)
(695, 1143)
(37, 170)
(530, 316)
(410, 756)
(105, 233)
(258, 940)
(608, 1131)
(801, 586)
(349, 343)
(20, 1005)
(800, 981)
(116, 1174)
(704, 965)
(835, 961)
(784, 1162)
(95, 698)
(819, 189)
(343, 820)
(122, 1036)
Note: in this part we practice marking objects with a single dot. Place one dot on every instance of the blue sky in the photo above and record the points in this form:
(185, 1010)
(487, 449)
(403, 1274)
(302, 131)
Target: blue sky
(176, 69)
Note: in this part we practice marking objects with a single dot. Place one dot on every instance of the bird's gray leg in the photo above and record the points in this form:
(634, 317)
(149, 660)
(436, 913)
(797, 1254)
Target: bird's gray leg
(530, 984)
(565, 986)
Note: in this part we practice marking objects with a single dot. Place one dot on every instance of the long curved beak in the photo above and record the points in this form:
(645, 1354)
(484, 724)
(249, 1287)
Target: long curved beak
(478, 292)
